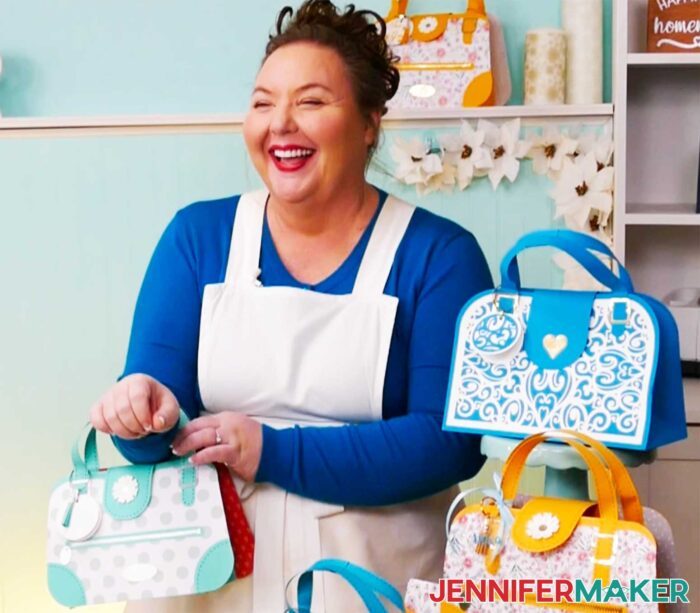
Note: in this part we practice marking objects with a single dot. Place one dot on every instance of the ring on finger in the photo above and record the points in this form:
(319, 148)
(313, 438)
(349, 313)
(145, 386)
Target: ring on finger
(218, 439)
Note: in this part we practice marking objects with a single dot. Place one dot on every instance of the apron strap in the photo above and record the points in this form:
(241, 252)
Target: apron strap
(379, 257)
(244, 253)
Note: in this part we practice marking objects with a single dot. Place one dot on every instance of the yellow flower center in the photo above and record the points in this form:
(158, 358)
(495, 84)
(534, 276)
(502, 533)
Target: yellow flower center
(550, 150)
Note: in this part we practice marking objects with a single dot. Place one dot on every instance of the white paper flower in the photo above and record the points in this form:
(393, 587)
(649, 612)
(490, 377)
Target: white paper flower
(125, 489)
(443, 181)
(427, 24)
(465, 151)
(583, 192)
(600, 145)
(506, 149)
(549, 151)
(542, 526)
(416, 164)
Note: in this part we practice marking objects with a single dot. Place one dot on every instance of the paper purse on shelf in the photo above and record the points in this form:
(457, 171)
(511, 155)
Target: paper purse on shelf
(136, 531)
(603, 363)
(368, 587)
(547, 538)
(444, 58)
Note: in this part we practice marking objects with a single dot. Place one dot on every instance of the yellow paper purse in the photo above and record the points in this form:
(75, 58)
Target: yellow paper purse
(445, 58)
(551, 538)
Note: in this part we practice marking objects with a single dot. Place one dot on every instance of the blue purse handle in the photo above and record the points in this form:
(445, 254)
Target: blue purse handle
(91, 463)
(367, 585)
(576, 244)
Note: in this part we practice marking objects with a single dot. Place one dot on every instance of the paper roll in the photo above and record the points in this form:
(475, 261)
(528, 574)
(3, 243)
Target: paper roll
(545, 66)
(583, 22)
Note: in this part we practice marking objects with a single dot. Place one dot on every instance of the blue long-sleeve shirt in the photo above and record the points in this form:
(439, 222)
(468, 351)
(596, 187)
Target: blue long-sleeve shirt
(437, 268)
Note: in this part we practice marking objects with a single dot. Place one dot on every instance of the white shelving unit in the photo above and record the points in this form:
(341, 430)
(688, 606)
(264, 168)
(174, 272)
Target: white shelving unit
(233, 122)
(657, 234)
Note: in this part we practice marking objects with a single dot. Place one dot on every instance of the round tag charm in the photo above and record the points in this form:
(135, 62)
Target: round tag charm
(85, 519)
(498, 336)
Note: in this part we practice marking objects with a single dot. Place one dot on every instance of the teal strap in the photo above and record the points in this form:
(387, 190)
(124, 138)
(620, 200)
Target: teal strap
(83, 468)
(620, 318)
(367, 585)
(579, 246)
(188, 483)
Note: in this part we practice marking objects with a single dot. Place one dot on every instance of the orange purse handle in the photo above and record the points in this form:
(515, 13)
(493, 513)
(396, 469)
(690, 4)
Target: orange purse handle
(626, 490)
(604, 487)
(400, 7)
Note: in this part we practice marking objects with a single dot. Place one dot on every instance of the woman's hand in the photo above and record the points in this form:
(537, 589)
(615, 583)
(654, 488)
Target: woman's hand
(134, 407)
(230, 438)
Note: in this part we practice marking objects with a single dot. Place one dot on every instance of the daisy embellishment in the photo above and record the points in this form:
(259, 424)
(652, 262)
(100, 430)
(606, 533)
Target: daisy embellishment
(125, 489)
(542, 526)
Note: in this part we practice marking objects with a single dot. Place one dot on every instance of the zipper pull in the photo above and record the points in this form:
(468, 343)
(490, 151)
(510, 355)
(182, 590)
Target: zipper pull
(69, 509)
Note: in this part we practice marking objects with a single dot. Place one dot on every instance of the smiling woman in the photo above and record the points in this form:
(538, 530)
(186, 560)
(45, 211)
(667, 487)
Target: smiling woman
(311, 339)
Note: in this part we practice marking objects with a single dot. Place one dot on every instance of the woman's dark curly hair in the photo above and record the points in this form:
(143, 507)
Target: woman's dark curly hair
(357, 36)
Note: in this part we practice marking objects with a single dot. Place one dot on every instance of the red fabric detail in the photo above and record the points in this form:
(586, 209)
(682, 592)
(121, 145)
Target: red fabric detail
(242, 539)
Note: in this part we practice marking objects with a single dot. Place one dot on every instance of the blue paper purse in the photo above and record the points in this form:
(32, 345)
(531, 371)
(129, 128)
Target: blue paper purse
(603, 363)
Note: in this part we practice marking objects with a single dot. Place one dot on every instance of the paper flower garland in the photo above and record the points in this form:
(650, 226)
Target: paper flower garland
(579, 164)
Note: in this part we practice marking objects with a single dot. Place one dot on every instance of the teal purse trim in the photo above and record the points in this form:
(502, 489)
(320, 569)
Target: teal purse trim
(188, 483)
(142, 474)
(215, 569)
(65, 586)
(137, 537)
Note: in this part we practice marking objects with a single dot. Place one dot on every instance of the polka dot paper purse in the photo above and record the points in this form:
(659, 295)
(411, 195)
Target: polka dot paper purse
(445, 58)
(604, 363)
(137, 531)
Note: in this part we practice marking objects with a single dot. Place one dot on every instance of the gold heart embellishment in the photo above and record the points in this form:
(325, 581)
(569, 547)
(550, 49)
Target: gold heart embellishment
(554, 345)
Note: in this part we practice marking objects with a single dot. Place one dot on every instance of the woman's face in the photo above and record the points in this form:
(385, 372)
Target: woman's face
(304, 131)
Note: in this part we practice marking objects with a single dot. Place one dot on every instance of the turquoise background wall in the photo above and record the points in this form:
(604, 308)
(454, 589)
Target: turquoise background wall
(81, 213)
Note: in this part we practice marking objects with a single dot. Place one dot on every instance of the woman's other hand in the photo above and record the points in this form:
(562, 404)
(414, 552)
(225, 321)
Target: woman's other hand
(230, 438)
(134, 407)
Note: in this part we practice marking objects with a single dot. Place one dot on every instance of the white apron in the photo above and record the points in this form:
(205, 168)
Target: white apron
(288, 356)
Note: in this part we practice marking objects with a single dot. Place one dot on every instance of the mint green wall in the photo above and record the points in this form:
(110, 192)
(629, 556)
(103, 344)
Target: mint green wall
(80, 57)
(81, 214)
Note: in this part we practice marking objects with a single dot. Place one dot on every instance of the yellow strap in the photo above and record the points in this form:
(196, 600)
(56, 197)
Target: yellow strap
(631, 507)
(605, 491)
(400, 7)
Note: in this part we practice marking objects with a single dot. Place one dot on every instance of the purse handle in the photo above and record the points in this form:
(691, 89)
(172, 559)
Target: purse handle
(367, 585)
(400, 7)
(622, 480)
(602, 480)
(91, 462)
(576, 244)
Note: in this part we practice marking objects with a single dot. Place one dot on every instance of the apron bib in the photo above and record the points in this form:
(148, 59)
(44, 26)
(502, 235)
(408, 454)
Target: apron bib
(287, 356)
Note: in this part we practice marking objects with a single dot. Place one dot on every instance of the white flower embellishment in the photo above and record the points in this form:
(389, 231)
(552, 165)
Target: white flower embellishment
(427, 24)
(542, 526)
(125, 489)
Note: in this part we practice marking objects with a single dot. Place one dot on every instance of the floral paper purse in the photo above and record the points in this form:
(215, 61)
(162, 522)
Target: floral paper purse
(445, 58)
(549, 539)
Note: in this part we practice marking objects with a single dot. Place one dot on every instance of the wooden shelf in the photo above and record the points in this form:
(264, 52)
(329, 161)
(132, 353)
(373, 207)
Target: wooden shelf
(663, 59)
(661, 215)
(234, 121)
(515, 110)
